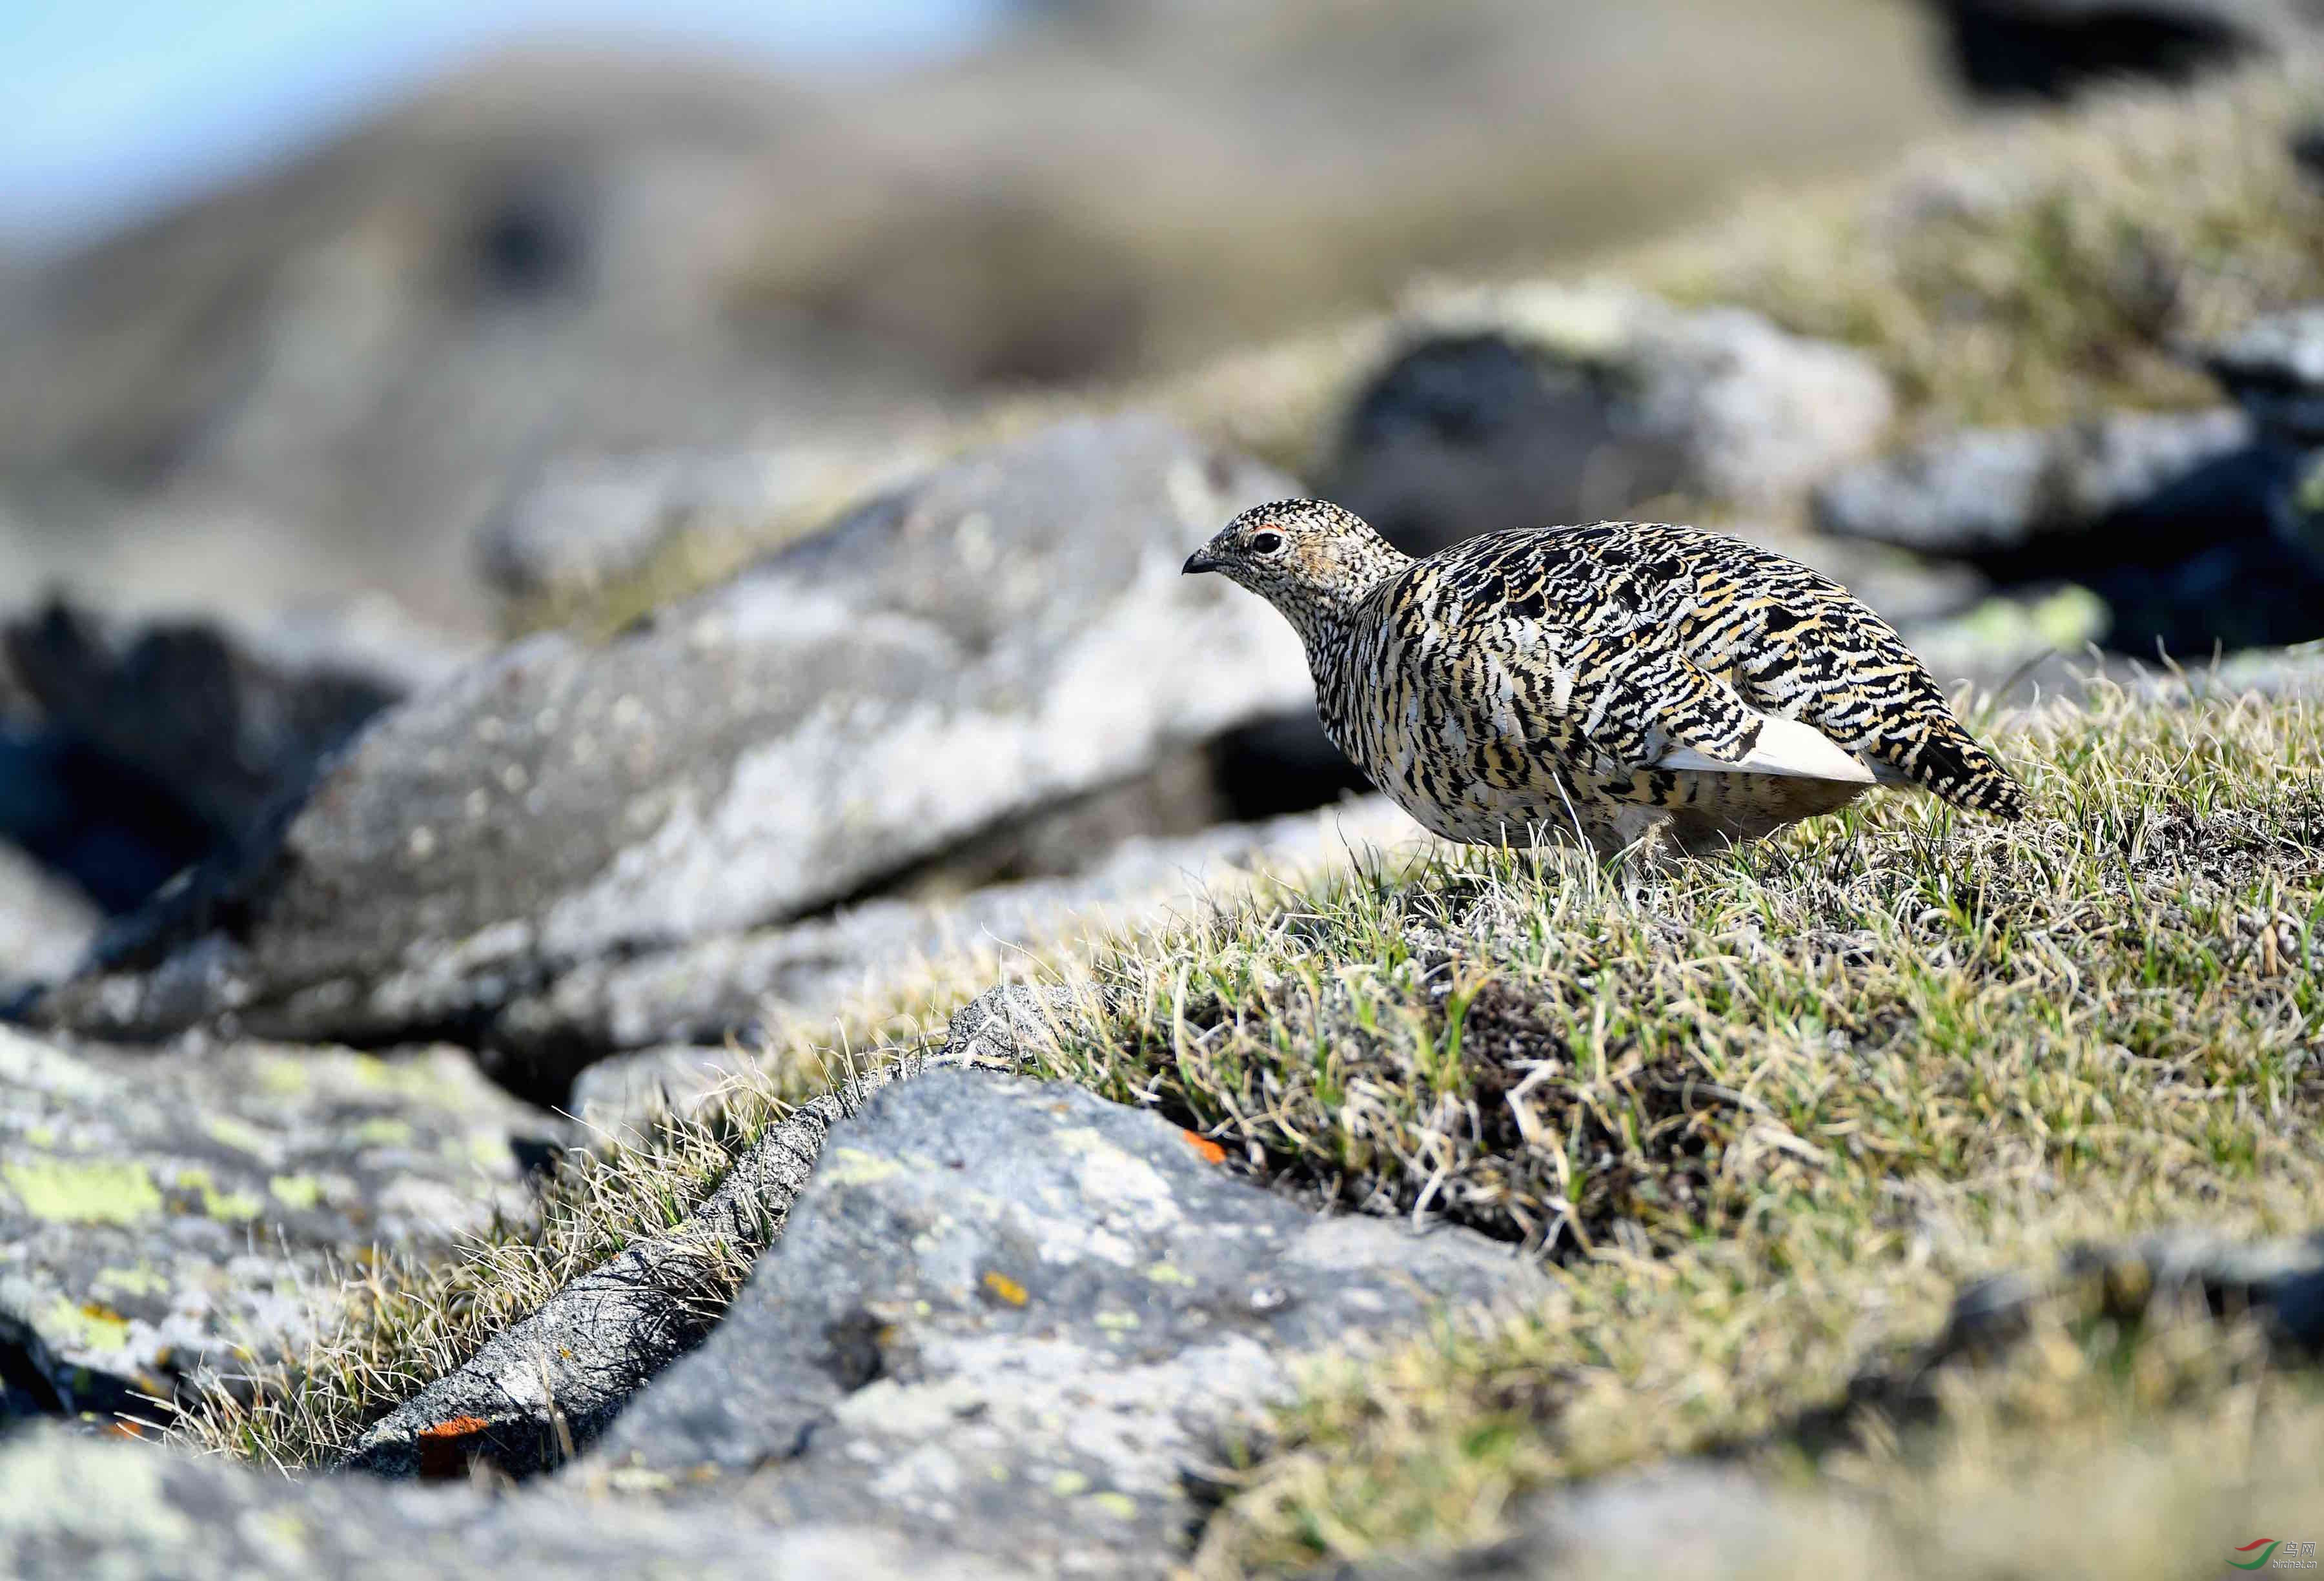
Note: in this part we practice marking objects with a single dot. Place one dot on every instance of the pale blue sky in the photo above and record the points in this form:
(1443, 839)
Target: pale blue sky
(112, 107)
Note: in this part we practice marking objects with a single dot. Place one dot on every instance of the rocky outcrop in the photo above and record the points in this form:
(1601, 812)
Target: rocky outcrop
(2195, 531)
(141, 747)
(1530, 406)
(159, 1208)
(584, 521)
(551, 1382)
(1997, 497)
(1014, 1318)
(1007, 632)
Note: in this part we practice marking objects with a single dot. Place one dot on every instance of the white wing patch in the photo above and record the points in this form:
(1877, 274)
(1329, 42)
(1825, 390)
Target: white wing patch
(1787, 747)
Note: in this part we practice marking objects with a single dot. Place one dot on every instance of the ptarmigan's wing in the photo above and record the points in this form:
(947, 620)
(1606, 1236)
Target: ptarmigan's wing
(1799, 646)
(1590, 628)
(1647, 704)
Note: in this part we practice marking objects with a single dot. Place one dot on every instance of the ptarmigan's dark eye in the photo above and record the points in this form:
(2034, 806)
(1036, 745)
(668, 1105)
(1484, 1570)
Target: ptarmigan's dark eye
(1266, 542)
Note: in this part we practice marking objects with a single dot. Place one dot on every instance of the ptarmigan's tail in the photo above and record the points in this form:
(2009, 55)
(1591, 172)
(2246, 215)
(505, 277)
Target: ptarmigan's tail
(1942, 758)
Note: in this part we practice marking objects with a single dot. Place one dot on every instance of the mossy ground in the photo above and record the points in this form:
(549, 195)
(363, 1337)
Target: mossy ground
(1765, 1115)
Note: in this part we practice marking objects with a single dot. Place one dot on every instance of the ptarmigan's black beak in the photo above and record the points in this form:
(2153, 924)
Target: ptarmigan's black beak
(1200, 561)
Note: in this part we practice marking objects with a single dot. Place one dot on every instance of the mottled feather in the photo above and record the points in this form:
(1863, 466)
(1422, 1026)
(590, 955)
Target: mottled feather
(1617, 679)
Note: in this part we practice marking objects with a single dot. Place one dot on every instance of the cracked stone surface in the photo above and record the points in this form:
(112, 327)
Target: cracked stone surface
(1011, 1317)
(159, 1207)
(1008, 631)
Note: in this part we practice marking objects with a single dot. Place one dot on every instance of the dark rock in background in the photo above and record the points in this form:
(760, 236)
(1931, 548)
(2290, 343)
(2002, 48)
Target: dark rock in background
(2273, 368)
(1541, 406)
(1014, 1318)
(135, 750)
(2021, 502)
(186, 714)
(159, 1208)
(1009, 632)
(2053, 49)
(2198, 532)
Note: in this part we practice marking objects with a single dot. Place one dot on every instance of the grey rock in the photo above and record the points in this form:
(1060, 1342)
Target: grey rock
(1004, 1027)
(159, 1206)
(551, 1382)
(1527, 407)
(2281, 1282)
(2274, 368)
(1020, 1320)
(1990, 493)
(548, 1386)
(81, 1508)
(750, 986)
(1009, 632)
(45, 924)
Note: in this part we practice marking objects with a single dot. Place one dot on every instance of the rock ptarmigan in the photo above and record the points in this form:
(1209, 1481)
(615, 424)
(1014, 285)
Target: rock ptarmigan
(1625, 682)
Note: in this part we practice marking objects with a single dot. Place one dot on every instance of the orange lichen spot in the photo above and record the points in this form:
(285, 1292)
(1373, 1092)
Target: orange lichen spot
(1006, 1289)
(1213, 1153)
(124, 1429)
(443, 1448)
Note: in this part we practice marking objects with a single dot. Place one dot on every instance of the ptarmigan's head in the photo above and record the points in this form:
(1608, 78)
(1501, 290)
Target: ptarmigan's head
(1308, 557)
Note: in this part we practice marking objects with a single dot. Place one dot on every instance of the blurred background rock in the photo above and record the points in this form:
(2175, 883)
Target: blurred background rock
(317, 376)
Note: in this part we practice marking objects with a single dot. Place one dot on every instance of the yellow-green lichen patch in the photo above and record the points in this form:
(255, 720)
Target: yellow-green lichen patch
(129, 1281)
(91, 1191)
(83, 1326)
(239, 1134)
(298, 1193)
(383, 1130)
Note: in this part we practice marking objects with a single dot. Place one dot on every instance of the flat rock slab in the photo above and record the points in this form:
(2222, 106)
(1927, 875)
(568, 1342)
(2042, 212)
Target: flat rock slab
(1007, 633)
(751, 987)
(1015, 1318)
(76, 1507)
(159, 1207)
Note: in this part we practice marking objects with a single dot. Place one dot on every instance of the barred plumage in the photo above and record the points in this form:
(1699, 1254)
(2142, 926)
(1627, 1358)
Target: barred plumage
(1623, 680)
